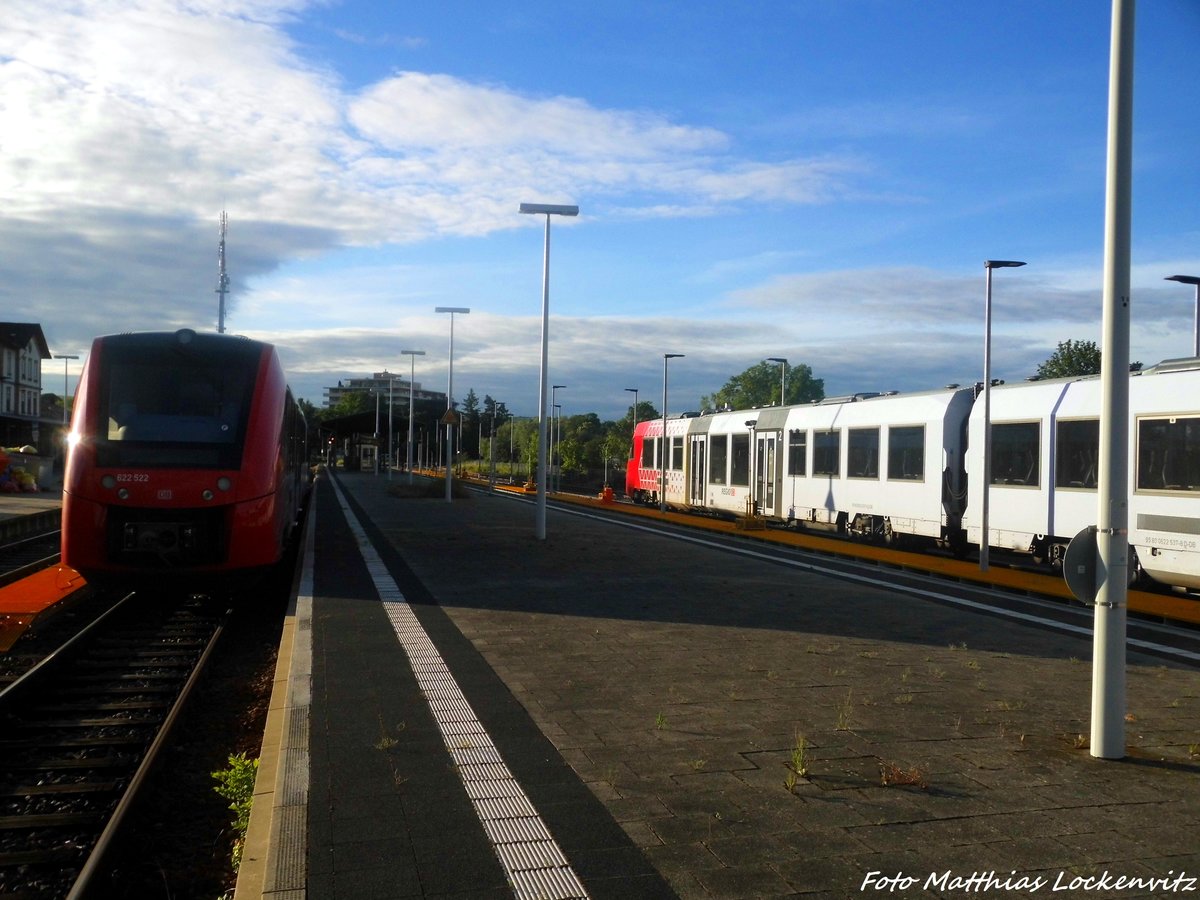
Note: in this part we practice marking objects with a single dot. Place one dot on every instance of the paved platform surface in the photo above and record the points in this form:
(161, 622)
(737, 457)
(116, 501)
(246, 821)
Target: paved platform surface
(14, 506)
(650, 695)
(22, 515)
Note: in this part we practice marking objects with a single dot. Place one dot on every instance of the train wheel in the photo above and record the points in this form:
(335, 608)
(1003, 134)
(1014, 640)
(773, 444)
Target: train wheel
(1039, 549)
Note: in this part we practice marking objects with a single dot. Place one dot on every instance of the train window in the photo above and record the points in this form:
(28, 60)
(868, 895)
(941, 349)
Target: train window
(862, 453)
(1076, 452)
(718, 455)
(677, 453)
(161, 407)
(1168, 454)
(798, 453)
(1016, 453)
(739, 471)
(827, 451)
(906, 453)
(648, 452)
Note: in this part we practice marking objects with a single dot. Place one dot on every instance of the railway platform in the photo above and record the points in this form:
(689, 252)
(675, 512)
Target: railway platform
(22, 514)
(460, 708)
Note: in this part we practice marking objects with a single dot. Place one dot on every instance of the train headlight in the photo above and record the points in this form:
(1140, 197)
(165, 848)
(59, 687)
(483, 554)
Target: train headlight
(108, 482)
(224, 483)
(207, 494)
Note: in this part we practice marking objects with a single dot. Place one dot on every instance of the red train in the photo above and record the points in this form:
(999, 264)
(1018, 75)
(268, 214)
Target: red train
(188, 457)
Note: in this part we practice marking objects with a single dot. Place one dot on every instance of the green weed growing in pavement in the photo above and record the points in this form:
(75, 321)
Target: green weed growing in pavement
(798, 765)
(660, 722)
(235, 783)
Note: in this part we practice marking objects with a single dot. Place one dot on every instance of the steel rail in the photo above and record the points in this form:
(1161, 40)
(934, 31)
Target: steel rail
(94, 865)
(59, 656)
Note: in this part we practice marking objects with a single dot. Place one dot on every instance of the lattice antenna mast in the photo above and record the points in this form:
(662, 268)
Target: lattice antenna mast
(222, 276)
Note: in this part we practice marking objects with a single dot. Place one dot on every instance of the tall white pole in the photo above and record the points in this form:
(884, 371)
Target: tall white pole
(547, 210)
(985, 506)
(66, 375)
(1112, 544)
(412, 368)
(1195, 281)
(391, 431)
(450, 397)
(664, 445)
(222, 276)
(450, 416)
(985, 539)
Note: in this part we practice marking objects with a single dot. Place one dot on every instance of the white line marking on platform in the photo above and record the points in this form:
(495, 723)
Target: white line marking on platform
(533, 863)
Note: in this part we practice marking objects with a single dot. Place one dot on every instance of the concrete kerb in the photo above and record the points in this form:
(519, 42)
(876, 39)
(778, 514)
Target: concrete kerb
(274, 858)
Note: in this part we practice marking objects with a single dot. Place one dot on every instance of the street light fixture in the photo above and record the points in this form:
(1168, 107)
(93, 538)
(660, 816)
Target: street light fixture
(65, 358)
(412, 366)
(1192, 280)
(782, 377)
(988, 265)
(634, 391)
(556, 474)
(449, 417)
(548, 210)
(554, 388)
(666, 449)
(391, 416)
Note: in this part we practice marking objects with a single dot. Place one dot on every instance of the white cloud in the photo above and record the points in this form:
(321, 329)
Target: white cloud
(416, 109)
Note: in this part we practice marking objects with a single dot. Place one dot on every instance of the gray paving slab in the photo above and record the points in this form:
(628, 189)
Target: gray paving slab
(677, 682)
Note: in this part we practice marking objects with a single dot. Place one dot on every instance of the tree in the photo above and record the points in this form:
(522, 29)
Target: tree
(759, 386)
(351, 404)
(468, 440)
(1072, 358)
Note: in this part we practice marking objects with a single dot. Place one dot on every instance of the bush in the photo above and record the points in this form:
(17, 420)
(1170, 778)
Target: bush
(236, 784)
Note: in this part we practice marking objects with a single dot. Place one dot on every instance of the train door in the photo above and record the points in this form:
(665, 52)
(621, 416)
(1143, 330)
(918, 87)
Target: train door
(764, 471)
(698, 467)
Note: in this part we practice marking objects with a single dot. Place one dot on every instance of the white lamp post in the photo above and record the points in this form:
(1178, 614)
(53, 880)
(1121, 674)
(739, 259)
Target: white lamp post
(988, 265)
(548, 210)
(391, 431)
(554, 388)
(412, 365)
(666, 447)
(1192, 280)
(782, 377)
(65, 358)
(449, 419)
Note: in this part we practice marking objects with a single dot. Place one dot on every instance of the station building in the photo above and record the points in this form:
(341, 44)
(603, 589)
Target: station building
(380, 384)
(22, 348)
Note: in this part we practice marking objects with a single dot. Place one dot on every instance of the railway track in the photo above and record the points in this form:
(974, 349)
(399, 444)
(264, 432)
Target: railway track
(22, 557)
(1003, 584)
(80, 731)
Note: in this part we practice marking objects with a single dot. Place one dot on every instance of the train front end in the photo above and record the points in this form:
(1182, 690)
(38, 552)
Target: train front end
(175, 458)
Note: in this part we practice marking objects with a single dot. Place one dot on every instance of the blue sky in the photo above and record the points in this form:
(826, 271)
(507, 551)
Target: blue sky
(819, 180)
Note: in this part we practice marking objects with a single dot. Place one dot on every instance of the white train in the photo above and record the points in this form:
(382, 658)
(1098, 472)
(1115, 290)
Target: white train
(907, 468)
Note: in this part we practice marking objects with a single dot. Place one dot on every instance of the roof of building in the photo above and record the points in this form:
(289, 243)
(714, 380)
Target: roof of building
(19, 334)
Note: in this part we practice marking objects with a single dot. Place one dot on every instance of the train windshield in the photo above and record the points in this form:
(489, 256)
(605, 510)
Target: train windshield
(164, 404)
